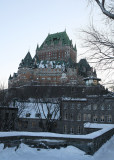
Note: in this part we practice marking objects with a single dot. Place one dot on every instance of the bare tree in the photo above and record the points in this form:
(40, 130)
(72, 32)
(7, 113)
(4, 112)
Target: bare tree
(99, 43)
(7, 114)
(107, 7)
(100, 47)
(48, 111)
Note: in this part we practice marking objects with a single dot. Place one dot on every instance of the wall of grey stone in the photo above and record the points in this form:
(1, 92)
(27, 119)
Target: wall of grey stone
(90, 146)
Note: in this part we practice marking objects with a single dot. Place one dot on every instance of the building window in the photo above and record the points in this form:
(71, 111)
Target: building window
(13, 115)
(65, 106)
(38, 115)
(49, 78)
(109, 118)
(33, 124)
(65, 129)
(89, 107)
(109, 107)
(95, 118)
(28, 114)
(49, 116)
(79, 117)
(85, 117)
(72, 106)
(66, 116)
(95, 107)
(71, 130)
(24, 124)
(102, 118)
(89, 117)
(102, 107)
(71, 116)
(78, 130)
(78, 106)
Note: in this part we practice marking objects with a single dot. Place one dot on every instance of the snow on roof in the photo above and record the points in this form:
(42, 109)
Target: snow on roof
(94, 78)
(74, 99)
(49, 63)
(97, 125)
(38, 110)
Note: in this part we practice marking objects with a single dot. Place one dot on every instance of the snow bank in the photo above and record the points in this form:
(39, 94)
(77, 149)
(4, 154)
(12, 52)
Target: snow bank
(24, 152)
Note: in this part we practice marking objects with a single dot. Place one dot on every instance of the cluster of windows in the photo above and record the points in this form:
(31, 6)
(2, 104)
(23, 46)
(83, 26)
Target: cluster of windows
(79, 117)
(103, 118)
(88, 117)
(68, 116)
(71, 130)
(88, 107)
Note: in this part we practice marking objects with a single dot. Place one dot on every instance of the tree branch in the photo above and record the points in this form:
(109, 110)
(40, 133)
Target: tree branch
(106, 12)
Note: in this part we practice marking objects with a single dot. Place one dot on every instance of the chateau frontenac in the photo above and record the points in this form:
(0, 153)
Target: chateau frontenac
(52, 92)
(54, 63)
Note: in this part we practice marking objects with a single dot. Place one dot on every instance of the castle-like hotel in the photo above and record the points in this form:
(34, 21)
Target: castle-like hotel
(54, 63)
(52, 92)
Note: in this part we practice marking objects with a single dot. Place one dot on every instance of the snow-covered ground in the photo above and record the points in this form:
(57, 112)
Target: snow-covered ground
(24, 152)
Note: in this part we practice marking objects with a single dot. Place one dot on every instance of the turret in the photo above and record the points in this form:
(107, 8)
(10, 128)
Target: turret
(27, 61)
(92, 81)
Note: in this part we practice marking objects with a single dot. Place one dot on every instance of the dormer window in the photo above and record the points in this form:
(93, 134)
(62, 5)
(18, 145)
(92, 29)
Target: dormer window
(38, 115)
(28, 114)
(109, 107)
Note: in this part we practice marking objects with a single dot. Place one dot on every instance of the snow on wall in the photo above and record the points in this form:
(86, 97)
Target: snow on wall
(54, 135)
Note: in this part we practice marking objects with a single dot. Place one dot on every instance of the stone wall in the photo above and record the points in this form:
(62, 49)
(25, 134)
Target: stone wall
(90, 146)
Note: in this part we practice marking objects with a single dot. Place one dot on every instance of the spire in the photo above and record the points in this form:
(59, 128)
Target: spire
(27, 61)
(10, 77)
(37, 48)
(75, 48)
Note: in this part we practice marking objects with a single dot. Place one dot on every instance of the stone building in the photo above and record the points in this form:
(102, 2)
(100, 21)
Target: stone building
(54, 73)
(54, 63)
(56, 47)
(67, 115)
(93, 108)
(8, 118)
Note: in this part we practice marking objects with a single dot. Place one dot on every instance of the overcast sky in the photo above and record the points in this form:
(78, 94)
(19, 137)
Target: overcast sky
(26, 23)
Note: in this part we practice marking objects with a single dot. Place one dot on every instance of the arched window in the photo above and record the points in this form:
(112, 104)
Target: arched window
(89, 117)
(65, 128)
(71, 130)
(109, 118)
(95, 118)
(102, 107)
(79, 117)
(95, 107)
(66, 116)
(102, 118)
(109, 107)
(71, 116)
(78, 130)
(85, 117)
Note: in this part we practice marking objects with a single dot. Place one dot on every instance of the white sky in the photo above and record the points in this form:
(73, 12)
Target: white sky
(26, 23)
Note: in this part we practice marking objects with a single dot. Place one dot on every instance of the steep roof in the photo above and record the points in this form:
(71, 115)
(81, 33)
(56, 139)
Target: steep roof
(84, 63)
(27, 61)
(56, 38)
(83, 67)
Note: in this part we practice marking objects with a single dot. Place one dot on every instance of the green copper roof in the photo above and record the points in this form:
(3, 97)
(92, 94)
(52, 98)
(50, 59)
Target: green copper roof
(27, 61)
(57, 38)
(83, 67)
(84, 63)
